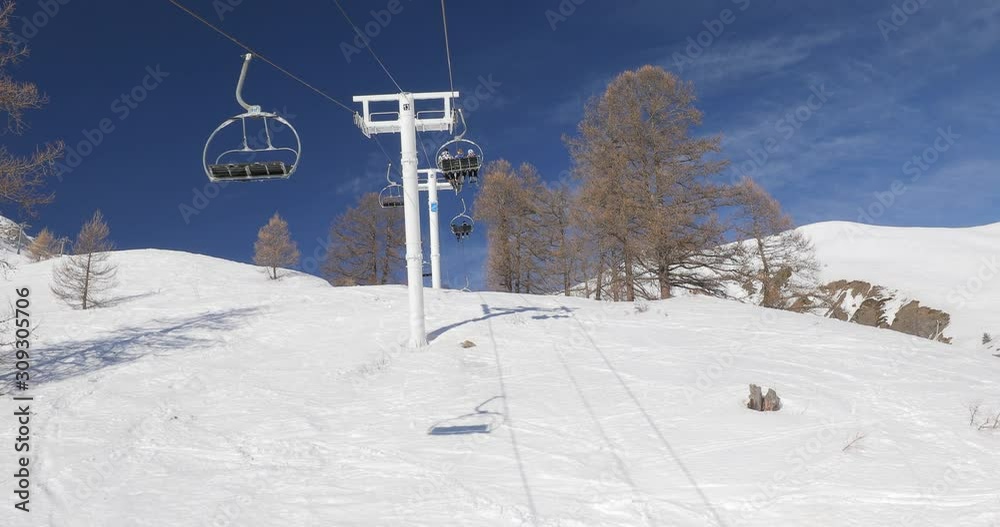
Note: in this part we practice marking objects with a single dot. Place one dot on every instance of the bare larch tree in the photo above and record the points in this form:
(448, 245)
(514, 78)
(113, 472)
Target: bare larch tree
(43, 247)
(646, 187)
(274, 247)
(84, 279)
(22, 178)
(778, 263)
(518, 247)
(366, 245)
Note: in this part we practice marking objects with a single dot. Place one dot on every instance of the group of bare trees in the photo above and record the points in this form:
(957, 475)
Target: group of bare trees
(649, 216)
(530, 246)
(366, 245)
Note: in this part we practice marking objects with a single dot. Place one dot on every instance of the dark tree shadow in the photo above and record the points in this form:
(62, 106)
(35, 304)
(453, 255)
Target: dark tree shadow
(72, 358)
(499, 312)
(127, 298)
(479, 422)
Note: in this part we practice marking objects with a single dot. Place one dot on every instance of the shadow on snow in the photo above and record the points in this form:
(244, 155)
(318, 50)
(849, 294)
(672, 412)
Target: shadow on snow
(479, 422)
(70, 359)
(489, 313)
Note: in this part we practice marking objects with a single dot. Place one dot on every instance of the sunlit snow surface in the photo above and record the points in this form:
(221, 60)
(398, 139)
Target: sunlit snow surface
(209, 395)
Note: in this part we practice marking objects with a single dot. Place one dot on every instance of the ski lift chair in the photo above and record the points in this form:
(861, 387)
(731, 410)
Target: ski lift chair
(463, 224)
(458, 169)
(225, 168)
(392, 195)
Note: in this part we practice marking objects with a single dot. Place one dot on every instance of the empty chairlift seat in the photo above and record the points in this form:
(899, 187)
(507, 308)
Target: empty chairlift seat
(253, 160)
(249, 171)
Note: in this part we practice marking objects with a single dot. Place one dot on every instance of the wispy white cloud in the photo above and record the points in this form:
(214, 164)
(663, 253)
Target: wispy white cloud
(732, 61)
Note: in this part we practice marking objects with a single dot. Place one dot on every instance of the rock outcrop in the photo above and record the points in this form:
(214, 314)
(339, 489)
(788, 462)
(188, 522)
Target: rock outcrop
(872, 305)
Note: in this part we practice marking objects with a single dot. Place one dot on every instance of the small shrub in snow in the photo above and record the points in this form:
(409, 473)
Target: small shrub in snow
(987, 338)
(991, 422)
(973, 412)
(640, 306)
(857, 438)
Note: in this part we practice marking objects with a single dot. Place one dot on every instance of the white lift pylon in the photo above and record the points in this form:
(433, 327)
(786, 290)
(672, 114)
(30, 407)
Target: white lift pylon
(431, 187)
(407, 122)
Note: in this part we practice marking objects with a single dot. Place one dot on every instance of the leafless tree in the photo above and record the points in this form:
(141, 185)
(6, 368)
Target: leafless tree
(646, 186)
(366, 245)
(560, 241)
(84, 279)
(43, 247)
(778, 263)
(518, 237)
(22, 178)
(274, 247)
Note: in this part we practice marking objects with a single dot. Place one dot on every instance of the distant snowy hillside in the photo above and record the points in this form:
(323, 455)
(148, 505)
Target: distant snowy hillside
(8, 243)
(953, 270)
(209, 395)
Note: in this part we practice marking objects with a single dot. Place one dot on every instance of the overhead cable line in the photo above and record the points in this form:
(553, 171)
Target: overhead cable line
(447, 46)
(367, 44)
(262, 57)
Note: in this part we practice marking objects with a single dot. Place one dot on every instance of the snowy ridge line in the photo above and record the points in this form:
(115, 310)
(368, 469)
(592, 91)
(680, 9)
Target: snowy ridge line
(649, 421)
(507, 418)
(639, 497)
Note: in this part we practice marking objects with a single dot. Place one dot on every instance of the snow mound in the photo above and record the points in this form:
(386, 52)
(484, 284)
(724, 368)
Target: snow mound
(954, 270)
(209, 395)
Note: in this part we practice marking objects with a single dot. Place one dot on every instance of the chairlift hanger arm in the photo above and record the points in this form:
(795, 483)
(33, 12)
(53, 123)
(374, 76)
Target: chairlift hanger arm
(239, 86)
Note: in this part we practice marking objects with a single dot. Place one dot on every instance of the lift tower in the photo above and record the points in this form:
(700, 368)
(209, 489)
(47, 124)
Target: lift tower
(406, 122)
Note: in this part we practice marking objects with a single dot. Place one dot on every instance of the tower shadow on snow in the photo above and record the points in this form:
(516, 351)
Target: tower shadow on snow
(489, 313)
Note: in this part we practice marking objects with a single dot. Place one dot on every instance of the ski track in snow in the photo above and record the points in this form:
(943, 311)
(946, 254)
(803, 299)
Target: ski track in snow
(245, 402)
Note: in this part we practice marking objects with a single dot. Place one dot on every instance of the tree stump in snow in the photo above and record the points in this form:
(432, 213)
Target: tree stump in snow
(468, 344)
(763, 403)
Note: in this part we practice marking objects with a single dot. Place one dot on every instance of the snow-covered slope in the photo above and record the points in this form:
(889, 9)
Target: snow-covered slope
(954, 270)
(210, 395)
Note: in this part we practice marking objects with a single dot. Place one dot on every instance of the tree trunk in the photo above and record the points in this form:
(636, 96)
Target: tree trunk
(664, 277)
(629, 277)
(600, 278)
(86, 281)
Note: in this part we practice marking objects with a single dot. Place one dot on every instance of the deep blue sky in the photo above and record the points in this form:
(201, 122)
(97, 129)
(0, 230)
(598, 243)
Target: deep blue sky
(888, 90)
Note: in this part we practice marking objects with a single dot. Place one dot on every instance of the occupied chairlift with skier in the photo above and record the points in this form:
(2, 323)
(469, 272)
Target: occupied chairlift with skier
(463, 166)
